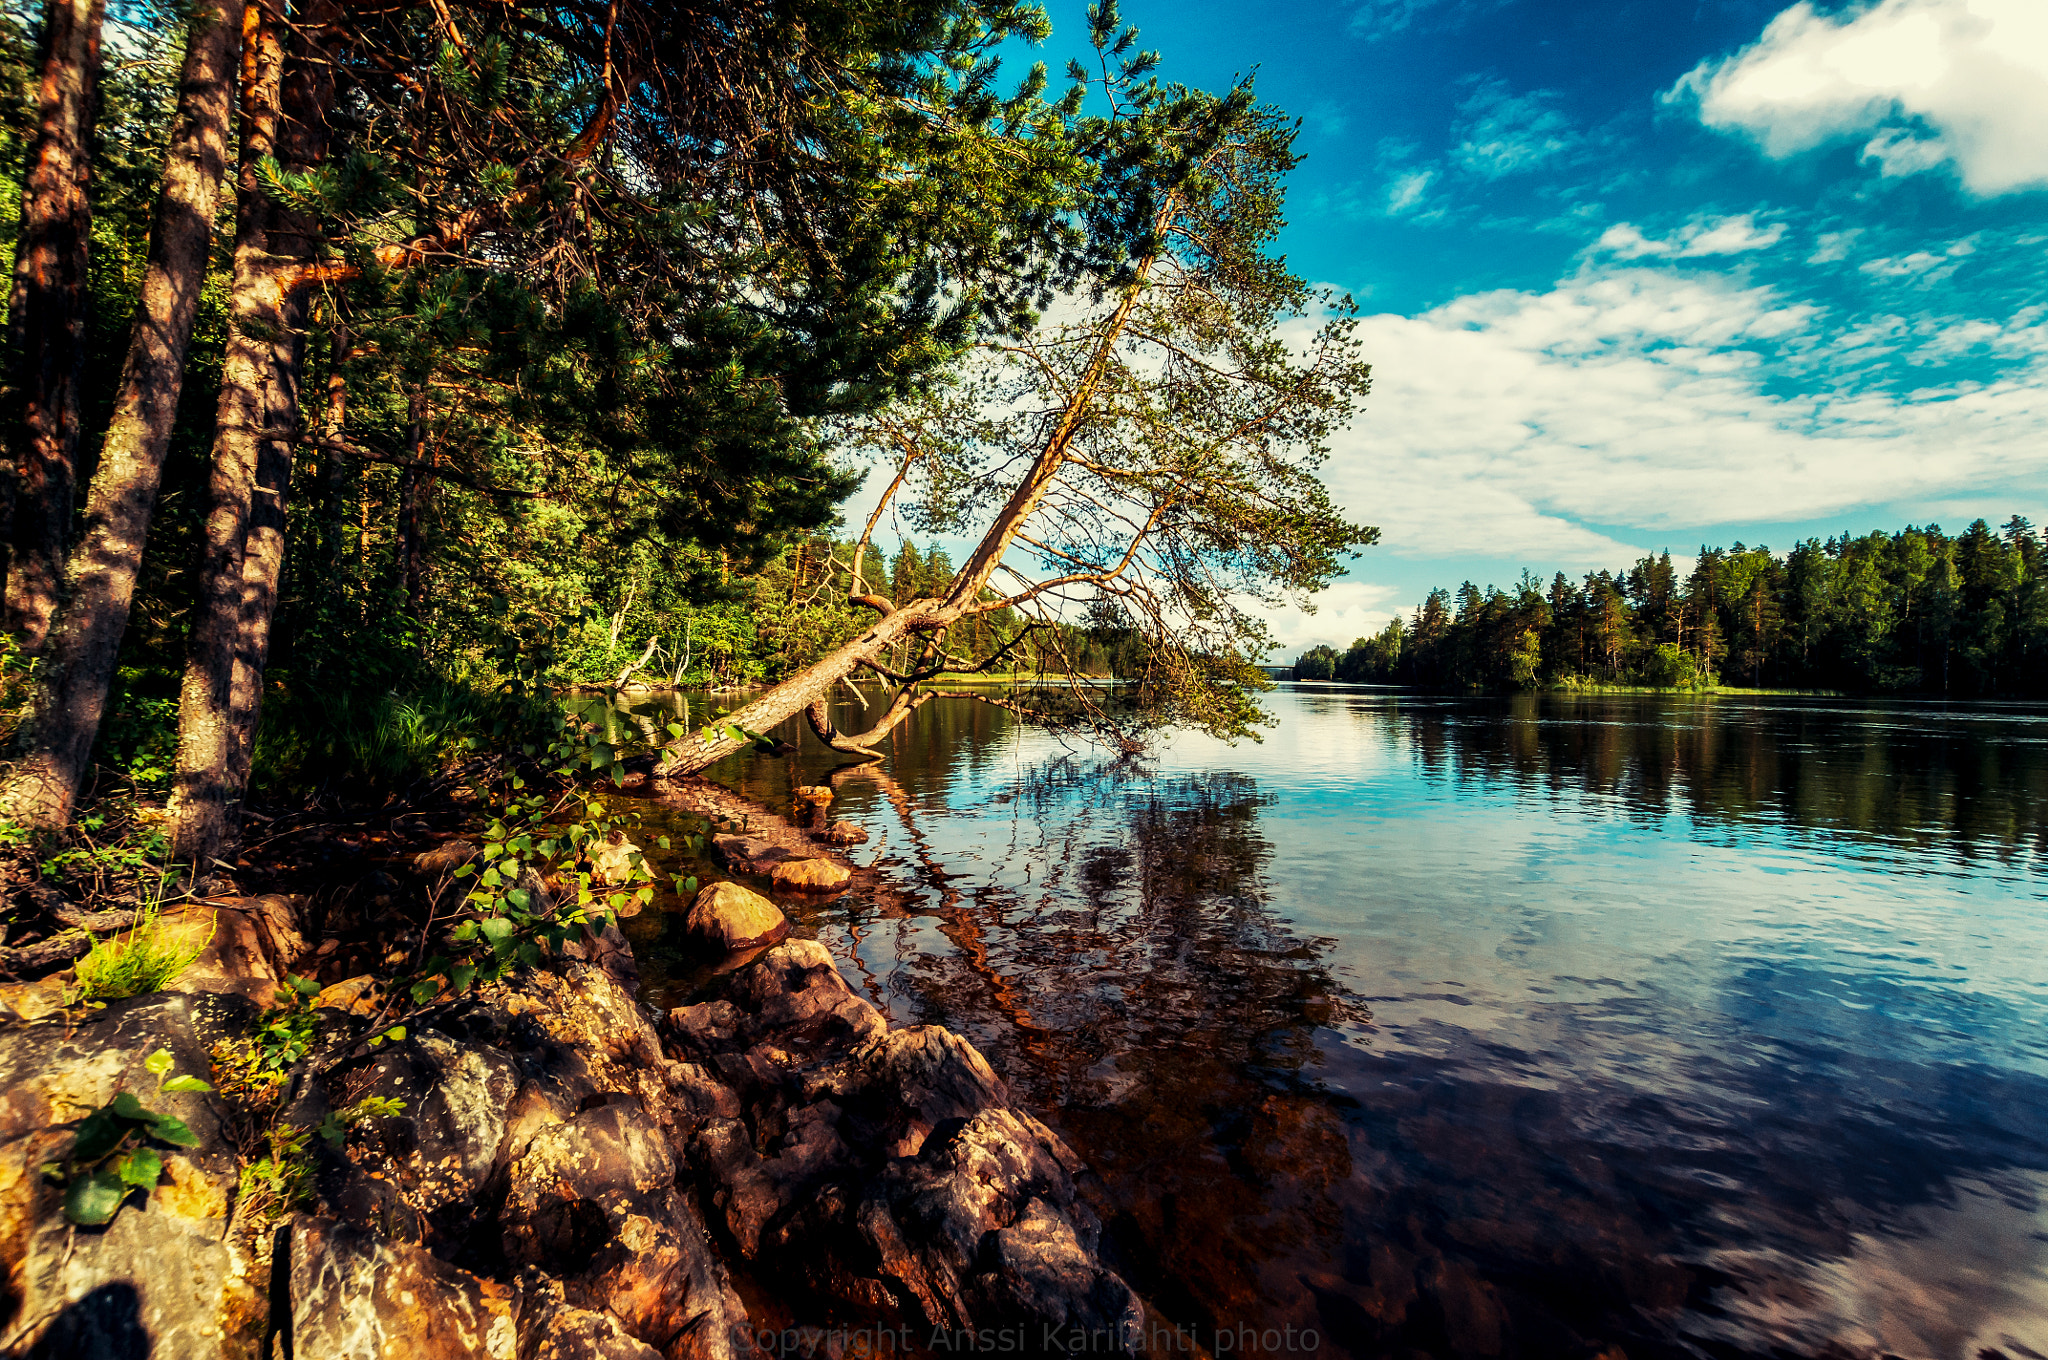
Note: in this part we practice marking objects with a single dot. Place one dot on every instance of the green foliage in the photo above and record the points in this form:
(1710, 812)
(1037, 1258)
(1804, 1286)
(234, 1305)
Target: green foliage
(284, 1032)
(388, 739)
(111, 1157)
(539, 844)
(139, 960)
(1913, 611)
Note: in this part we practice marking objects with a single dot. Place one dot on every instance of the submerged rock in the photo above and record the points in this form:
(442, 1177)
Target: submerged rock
(843, 832)
(748, 854)
(733, 918)
(809, 875)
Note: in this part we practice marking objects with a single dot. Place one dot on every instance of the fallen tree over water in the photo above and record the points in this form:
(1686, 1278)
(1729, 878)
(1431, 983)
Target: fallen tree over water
(1149, 457)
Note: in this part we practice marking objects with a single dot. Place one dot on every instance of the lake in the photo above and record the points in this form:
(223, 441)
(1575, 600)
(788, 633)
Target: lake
(1588, 1026)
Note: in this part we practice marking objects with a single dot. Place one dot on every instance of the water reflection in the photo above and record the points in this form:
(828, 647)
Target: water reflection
(1541, 1027)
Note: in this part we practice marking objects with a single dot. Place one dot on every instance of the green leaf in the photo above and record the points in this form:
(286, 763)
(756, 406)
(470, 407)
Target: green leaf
(98, 1134)
(158, 1063)
(662, 842)
(140, 1168)
(396, 1034)
(185, 1084)
(675, 729)
(465, 932)
(92, 1201)
(424, 990)
(690, 883)
(520, 899)
(461, 975)
(126, 1106)
(173, 1131)
(307, 986)
(465, 870)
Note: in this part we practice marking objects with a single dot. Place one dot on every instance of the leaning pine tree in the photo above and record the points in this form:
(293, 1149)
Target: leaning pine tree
(1152, 453)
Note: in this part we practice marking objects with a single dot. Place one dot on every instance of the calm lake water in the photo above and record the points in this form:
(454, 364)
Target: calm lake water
(1547, 1026)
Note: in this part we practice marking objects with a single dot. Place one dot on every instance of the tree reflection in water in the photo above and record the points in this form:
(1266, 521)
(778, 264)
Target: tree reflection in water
(1660, 1112)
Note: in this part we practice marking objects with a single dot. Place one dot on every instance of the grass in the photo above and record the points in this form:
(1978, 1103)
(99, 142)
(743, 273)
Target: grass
(138, 961)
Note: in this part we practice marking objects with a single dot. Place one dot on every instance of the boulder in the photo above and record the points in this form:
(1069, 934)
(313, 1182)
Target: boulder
(165, 1277)
(357, 1296)
(885, 1170)
(817, 795)
(748, 854)
(444, 858)
(253, 945)
(734, 918)
(843, 832)
(809, 875)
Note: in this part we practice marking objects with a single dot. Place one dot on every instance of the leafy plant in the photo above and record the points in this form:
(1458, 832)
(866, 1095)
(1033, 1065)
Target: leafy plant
(510, 917)
(285, 1031)
(138, 961)
(111, 1156)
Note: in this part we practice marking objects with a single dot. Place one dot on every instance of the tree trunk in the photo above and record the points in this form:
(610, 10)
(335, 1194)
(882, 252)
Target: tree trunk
(814, 684)
(71, 691)
(205, 801)
(47, 318)
(409, 557)
(334, 480)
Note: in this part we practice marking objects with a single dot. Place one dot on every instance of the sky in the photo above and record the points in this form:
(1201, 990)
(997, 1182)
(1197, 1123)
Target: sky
(1642, 275)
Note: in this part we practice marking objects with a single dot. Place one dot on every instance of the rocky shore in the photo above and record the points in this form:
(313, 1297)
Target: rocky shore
(572, 1176)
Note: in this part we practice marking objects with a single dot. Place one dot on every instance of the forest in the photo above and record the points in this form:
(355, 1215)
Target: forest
(1917, 611)
(371, 374)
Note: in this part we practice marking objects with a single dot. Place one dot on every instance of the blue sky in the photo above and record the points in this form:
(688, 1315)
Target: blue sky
(1641, 274)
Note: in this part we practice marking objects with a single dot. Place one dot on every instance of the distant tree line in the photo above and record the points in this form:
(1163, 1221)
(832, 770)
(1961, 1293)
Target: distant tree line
(1913, 611)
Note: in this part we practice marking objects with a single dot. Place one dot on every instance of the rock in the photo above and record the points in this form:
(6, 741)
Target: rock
(255, 943)
(357, 995)
(32, 1000)
(441, 1148)
(444, 858)
(733, 918)
(843, 832)
(817, 795)
(355, 1296)
(614, 862)
(886, 1170)
(609, 950)
(748, 854)
(550, 1328)
(164, 1278)
(809, 875)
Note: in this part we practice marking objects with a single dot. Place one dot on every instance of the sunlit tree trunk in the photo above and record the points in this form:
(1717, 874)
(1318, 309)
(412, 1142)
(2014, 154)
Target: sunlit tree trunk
(46, 318)
(257, 404)
(72, 685)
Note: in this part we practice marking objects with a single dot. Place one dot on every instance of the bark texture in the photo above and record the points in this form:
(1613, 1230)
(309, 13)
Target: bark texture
(47, 317)
(255, 406)
(79, 664)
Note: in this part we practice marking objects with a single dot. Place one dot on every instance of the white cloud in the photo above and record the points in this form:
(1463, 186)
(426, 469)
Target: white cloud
(1406, 190)
(1701, 236)
(1502, 133)
(1576, 427)
(1350, 609)
(1927, 82)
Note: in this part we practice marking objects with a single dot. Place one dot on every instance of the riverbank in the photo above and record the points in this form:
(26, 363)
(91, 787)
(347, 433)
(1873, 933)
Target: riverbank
(543, 1167)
